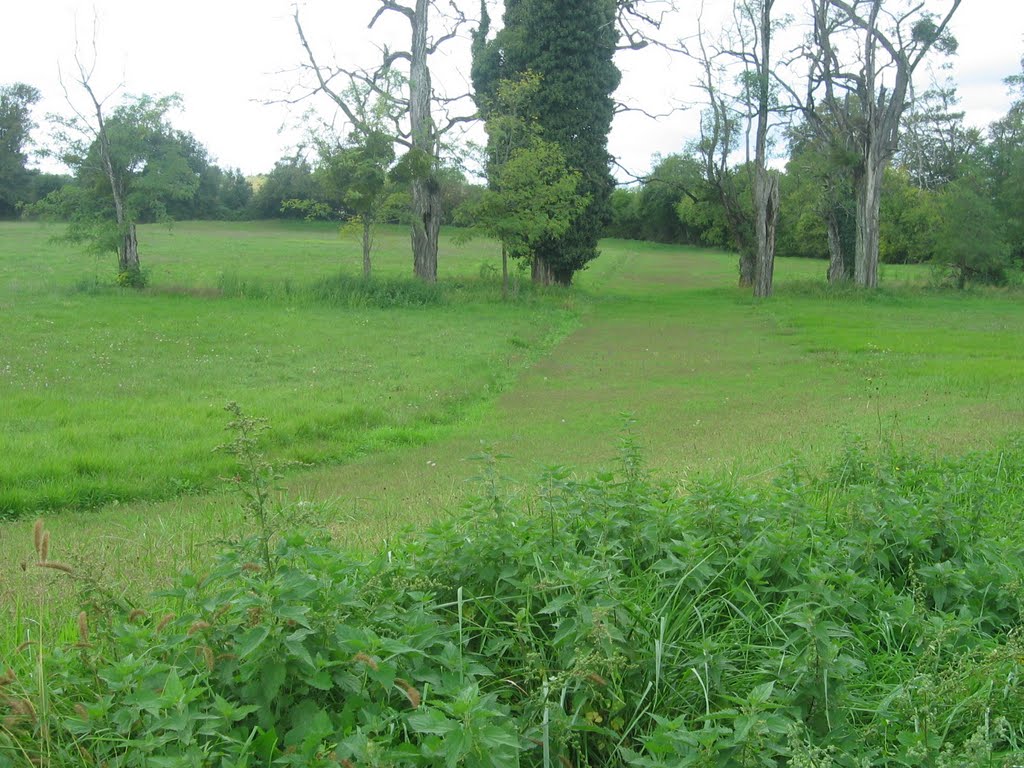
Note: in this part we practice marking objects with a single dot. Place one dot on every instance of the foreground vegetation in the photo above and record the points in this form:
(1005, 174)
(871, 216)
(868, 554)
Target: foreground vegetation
(820, 611)
(864, 615)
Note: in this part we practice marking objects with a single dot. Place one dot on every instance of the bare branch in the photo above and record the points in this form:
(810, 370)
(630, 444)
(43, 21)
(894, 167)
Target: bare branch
(391, 5)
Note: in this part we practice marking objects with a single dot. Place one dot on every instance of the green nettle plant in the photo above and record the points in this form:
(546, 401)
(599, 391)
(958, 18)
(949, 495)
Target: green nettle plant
(866, 615)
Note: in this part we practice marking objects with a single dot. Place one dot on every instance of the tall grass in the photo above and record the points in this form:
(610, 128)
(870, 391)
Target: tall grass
(868, 615)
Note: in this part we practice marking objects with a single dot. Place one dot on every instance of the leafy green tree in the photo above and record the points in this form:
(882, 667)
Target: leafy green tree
(532, 193)
(458, 194)
(128, 167)
(970, 240)
(673, 178)
(1004, 158)
(910, 220)
(569, 45)
(220, 194)
(720, 211)
(16, 102)
(625, 221)
(935, 146)
(290, 179)
(818, 198)
(355, 176)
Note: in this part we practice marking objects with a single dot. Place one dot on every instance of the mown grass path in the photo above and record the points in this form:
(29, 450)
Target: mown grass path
(714, 380)
(718, 382)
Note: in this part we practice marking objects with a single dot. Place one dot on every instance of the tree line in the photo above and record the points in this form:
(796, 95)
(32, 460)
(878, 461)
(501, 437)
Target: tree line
(952, 197)
(874, 171)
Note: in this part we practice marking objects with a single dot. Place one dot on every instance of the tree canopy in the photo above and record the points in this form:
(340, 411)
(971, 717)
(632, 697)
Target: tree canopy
(569, 45)
(16, 102)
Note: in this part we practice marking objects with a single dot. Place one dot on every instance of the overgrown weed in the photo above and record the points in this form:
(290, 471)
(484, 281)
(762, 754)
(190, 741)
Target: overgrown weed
(605, 622)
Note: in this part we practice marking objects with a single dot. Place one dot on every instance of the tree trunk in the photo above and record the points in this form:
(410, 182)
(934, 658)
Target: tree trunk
(869, 201)
(766, 204)
(504, 272)
(836, 261)
(541, 273)
(748, 261)
(426, 226)
(367, 243)
(426, 197)
(128, 252)
(766, 183)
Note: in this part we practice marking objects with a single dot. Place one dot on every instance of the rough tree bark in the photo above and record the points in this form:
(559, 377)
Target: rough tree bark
(868, 182)
(541, 273)
(426, 195)
(836, 259)
(367, 248)
(766, 208)
(766, 183)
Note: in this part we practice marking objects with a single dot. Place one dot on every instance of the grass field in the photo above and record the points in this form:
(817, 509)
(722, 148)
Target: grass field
(113, 402)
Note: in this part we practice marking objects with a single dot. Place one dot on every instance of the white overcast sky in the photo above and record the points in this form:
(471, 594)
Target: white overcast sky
(227, 57)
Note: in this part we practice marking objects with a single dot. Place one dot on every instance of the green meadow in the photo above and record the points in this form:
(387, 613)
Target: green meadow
(114, 400)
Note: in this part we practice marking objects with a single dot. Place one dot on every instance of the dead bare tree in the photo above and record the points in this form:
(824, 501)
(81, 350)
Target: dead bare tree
(94, 126)
(730, 118)
(860, 62)
(415, 127)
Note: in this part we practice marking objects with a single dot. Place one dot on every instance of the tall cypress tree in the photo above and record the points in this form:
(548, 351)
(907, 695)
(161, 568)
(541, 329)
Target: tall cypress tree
(570, 45)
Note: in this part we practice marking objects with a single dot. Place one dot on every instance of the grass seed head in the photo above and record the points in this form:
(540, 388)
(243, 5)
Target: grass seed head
(410, 691)
(138, 613)
(367, 660)
(198, 626)
(44, 547)
(207, 653)
(83, 628)
(56, 566)
(82, 711)
(22, 708)
(164, 621)
(37, 537)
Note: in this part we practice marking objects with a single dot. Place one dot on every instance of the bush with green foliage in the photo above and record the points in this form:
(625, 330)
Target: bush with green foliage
(868, 615)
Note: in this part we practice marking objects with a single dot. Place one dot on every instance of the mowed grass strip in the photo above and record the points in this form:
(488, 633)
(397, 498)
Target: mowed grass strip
(111, 396)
